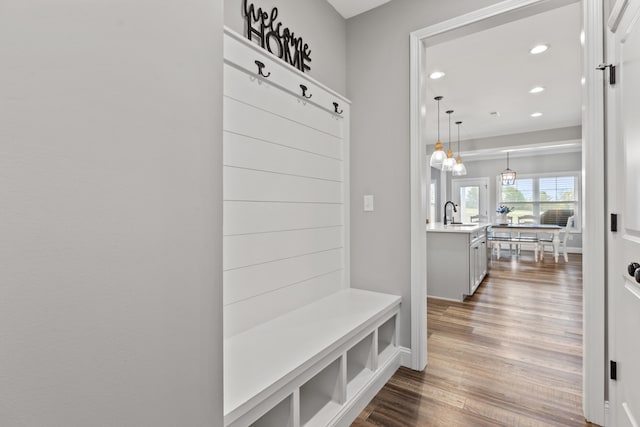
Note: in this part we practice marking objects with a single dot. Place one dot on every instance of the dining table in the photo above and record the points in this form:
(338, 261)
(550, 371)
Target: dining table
(551, 229)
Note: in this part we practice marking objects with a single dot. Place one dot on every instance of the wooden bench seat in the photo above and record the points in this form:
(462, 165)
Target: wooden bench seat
(272, 361)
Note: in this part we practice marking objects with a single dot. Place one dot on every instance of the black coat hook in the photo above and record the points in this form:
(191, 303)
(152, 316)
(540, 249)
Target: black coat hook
(335, 106)
(260, 67)
(304, 92)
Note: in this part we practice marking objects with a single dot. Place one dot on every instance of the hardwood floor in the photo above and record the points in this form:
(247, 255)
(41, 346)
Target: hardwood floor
(511, 355)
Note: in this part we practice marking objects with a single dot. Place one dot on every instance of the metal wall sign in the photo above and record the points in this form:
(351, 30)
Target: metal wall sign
(263, 28)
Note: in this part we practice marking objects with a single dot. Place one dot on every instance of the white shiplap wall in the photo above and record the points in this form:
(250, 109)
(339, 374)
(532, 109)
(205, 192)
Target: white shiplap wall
(285, 187)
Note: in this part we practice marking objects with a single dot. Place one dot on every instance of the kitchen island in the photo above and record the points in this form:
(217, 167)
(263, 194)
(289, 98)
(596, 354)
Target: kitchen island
(456, 259)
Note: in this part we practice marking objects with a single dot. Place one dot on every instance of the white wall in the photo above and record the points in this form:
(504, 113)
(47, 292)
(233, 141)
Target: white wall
(319, 25)
(378, 86)
(110, 213)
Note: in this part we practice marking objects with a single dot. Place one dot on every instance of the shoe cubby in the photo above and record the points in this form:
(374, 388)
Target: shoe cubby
(361, 364)
(280, 415)
(320, 396)
(387, 340)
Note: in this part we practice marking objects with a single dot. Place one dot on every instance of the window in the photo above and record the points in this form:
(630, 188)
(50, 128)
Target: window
(545, 199)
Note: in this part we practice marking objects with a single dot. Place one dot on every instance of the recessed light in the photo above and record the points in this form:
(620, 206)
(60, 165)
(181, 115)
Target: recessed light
(436, 75)
(539, 49)
(582, 37)
(537, 89)
(536, 114)
(583, 81)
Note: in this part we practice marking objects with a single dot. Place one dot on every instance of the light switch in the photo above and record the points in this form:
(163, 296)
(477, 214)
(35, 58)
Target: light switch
(368, 203)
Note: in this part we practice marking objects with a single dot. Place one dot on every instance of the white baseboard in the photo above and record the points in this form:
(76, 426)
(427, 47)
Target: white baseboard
(405, 357)
(362, 398)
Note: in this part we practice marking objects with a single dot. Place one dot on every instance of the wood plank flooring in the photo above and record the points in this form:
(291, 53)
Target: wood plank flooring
(511, 355)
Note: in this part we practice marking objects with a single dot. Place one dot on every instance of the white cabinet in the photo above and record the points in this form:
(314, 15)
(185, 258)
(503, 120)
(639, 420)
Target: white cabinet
(477, 261)
(456, 262)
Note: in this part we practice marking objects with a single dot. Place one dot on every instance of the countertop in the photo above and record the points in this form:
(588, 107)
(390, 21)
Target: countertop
(454, 228)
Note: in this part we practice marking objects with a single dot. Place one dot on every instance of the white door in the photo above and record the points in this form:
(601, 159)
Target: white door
(471, 197)
(624, 199)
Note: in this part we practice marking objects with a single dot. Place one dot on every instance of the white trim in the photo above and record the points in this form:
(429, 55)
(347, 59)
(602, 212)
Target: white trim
(405, 357)
(524, 151)
(473, 17)
(616, 14)
(420, 181)
(594, 225)
(346, 188)
(592, 126)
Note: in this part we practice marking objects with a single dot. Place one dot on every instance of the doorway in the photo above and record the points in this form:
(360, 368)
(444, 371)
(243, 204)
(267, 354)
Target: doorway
(471, 197)
(593, 200)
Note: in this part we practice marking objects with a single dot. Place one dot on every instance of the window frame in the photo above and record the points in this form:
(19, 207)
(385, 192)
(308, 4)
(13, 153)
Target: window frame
(536, 191)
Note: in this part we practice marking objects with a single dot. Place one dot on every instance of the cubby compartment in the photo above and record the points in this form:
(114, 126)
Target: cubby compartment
(320, 396)
(360, 365)
(386, 340)
(279, 416)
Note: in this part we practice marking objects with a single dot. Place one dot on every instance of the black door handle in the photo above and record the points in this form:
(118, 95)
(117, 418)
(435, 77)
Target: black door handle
(632, 269)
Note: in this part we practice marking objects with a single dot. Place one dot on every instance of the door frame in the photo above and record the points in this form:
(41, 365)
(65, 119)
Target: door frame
(481, 181)
(594, 232)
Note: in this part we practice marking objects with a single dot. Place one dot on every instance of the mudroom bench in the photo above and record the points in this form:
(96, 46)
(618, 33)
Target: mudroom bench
(318, 365)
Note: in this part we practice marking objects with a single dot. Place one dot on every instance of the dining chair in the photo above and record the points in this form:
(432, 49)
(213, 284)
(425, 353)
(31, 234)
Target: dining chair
(527, 238)
(502, 237)
(547, 241)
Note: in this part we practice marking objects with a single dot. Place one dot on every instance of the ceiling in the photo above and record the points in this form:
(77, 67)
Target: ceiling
(493, 71)
(350, 8)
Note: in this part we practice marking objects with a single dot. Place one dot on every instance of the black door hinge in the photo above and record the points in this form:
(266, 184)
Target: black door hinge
(614, 222)
(613, 370)
(612, 72)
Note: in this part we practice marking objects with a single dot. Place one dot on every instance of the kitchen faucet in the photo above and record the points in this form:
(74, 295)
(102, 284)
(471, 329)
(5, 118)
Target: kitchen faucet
(445, 210)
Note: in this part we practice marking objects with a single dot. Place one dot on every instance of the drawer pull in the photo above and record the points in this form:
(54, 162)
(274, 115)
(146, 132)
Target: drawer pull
(335, 106)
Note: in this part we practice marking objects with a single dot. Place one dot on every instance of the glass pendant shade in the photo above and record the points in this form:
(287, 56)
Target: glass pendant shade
(438, 156)
(450, 161)
(459, 169)
(508, 176)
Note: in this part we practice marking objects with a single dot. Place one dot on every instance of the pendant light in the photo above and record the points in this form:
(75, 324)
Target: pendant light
(438, 155)
(459, 169)
(449, 162)
(508, 176)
